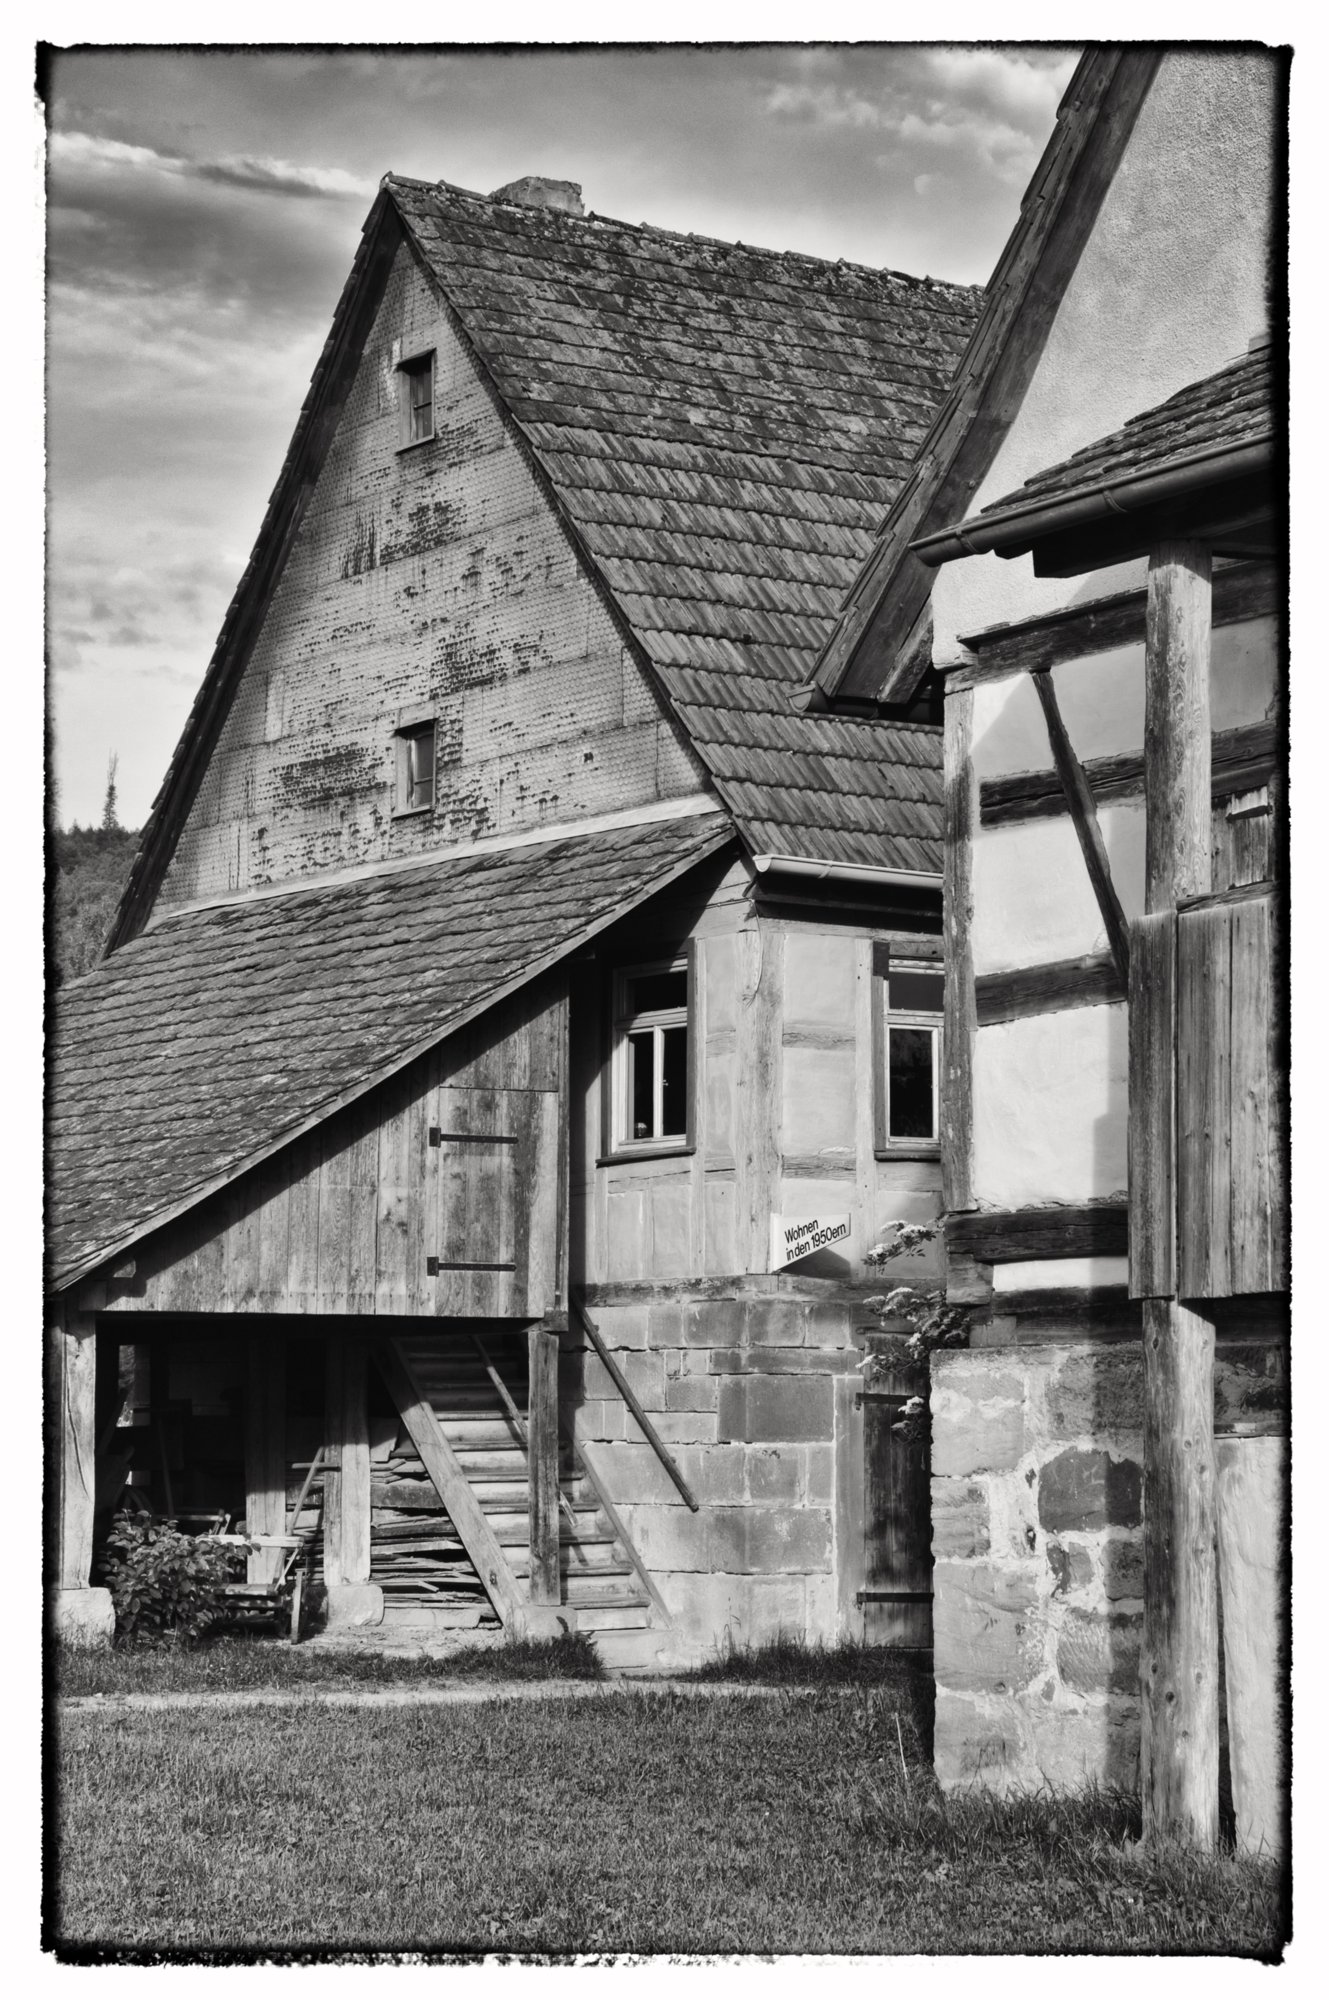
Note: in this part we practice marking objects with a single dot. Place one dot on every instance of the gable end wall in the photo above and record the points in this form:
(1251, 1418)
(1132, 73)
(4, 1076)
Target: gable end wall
(436, 576)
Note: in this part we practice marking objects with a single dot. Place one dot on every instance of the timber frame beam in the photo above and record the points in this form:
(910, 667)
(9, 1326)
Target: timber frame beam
(1179, 1659)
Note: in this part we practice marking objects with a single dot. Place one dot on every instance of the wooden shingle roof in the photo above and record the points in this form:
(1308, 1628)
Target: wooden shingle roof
(722, 429)
(1229, 408)
(220, 1034)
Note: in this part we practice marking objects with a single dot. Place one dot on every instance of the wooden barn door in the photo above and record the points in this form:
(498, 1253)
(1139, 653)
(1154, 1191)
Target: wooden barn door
(896, 1596)
(492, 1209)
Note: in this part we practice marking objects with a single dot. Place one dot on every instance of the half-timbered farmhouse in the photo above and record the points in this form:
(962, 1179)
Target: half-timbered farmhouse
(1101, 538)
(511, 975)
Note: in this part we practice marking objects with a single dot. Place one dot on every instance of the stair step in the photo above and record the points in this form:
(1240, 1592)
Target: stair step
(624, 1600)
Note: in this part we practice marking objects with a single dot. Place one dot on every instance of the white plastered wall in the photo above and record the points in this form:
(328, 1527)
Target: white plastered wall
(1169, 286)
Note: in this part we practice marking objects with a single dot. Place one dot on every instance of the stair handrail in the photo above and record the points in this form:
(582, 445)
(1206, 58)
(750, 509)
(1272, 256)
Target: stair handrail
(625, 1390)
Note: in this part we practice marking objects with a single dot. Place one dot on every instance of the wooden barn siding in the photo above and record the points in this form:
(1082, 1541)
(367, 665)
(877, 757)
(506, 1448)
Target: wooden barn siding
(340, 1222)
(783, 1100)
(434, 576)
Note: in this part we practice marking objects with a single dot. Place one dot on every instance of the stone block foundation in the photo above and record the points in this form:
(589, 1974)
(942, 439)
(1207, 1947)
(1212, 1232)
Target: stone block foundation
(1038, 1551)
(742, 1389)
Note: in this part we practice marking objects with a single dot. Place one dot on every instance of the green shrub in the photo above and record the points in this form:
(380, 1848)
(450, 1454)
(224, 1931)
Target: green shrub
(165, 1583)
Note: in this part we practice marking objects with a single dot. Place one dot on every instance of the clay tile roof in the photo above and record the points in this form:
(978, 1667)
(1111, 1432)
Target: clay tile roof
(221, 1033)
(723, 428)
(1230, 408)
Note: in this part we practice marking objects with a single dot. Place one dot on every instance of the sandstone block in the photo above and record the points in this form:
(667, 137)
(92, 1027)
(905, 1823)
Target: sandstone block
(708, 1611)
(968, 1437)
(351, 1605)
(1099, 1652)
(1098, 1391)
(773, 1475)
(1073, 1567)
(821, 1610)
(982, 1627)
(1075, 1747)
(829, 1325)
(714, 1323)
(819, 1475)
(715, 1472)
(684, 1426)
(669, 1537)
(1089, 1489)
(83, 1617)
(973, 1745)
(776, 1609)
(959, 1519)
(777, 1409)
(1123, 1569)
(665, 1323)
(692, 1392)
(631, 1471)
(621, 1326)
(644, 1374)
(770, 1540)
(776, 1322)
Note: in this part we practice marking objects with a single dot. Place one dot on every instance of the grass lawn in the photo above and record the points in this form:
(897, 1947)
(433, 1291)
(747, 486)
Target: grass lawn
(227, 1663)
(630, 1822)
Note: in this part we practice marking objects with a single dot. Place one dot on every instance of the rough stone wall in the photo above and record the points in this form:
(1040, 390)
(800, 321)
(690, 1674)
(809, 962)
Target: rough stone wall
(1038, 1551)
(741, 1389)
(434, 577)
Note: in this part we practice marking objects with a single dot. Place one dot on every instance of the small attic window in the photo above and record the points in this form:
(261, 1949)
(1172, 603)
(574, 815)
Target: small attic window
(415, 378)
(415, 768)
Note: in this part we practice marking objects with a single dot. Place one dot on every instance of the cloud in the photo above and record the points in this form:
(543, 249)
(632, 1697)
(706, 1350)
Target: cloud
(90, 151)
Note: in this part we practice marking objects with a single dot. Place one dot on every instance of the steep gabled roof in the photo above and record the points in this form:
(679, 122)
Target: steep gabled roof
(721, 430)
(222, 1033)
(871, 651)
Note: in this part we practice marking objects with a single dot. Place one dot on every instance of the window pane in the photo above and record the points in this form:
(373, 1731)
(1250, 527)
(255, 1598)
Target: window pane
(421, 383)
(912, 1053)
(654, 990)
(675, 1082)
(916, 992)
(641, 1085)
(420, 768)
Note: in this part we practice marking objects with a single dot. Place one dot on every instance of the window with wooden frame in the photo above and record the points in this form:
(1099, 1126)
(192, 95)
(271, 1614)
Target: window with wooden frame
(651, 1060)
(415, 387)
(415, 750)
(907, 1016)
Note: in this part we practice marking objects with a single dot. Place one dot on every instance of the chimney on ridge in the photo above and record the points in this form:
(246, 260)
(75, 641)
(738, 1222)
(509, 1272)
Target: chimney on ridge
(534, 191)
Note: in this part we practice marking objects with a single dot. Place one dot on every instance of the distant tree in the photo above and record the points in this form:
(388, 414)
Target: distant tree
(89, 869)
(110, 817)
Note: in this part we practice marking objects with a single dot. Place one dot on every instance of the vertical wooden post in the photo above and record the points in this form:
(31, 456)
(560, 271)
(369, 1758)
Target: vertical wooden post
(1177, 771)
(1179, 1662)
(71, 1391)
(960, 1021)
(265, 1450)
(542, 1457)
(346, 1554)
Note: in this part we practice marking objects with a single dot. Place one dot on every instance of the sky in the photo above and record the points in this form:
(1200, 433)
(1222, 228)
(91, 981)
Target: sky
(203, 208)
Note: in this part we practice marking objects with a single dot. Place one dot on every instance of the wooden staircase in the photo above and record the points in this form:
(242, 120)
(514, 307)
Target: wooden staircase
(428, 1570)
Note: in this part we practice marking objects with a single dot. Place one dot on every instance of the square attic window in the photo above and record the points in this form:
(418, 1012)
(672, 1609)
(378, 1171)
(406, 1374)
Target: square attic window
(415, 379)
(415, 767)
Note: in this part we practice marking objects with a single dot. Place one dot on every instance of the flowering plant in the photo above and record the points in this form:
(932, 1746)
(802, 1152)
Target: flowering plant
(931, 1321)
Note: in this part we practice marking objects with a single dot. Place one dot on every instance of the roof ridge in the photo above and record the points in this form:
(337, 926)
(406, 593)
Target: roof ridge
(561, 219)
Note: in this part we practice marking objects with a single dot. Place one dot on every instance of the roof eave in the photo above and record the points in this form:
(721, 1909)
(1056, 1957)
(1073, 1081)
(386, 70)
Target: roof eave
(1014, 531)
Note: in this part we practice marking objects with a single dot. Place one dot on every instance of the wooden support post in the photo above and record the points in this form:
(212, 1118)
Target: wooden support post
(265, 1450)
(71, 1391)
(346, 1518)
(1179, 1662)
(1177, 775)
(81, 1615)
(960, 1025)
(542, 1458)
